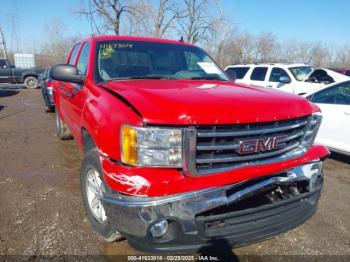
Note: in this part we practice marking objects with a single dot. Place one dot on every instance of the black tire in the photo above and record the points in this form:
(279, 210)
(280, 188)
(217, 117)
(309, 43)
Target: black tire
(106, 229)
(31, 82)
(62, 130)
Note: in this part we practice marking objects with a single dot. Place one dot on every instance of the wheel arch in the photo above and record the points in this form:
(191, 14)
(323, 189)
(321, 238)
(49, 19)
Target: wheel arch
(29, 74)
(88, 142)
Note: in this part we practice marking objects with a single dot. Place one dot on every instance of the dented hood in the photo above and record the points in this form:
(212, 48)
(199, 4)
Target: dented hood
(188, 102)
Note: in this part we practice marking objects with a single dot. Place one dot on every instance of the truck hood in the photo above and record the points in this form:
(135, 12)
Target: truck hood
(189, 102)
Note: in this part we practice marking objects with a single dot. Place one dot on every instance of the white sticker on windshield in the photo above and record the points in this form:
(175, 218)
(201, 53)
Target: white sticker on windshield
(209, 68)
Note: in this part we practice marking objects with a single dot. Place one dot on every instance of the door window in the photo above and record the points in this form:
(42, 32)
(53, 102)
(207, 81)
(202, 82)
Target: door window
(73, 54)
(276, 74)
(259, 74)
(83, 59)
(3, 64)
(237, 72)
(338, 94)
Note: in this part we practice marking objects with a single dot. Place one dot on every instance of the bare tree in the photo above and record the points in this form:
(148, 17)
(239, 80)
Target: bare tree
(266, 48)
(341, 56)
(320, 55)
(234, 47)
(202, 22)
(55, 49)
(106, 15)
(165, 16)
(152, 19)
(194, 21)
(304, 52)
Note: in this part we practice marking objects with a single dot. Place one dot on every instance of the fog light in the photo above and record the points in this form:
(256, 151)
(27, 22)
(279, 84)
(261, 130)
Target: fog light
(159, 229)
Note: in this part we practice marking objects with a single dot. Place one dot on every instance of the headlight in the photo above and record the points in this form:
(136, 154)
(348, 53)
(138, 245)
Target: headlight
(312, 130)
(149, 146)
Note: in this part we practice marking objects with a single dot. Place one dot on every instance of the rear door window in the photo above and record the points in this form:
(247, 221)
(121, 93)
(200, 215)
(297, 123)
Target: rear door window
(73, 54)
(83, 59)
(237, 72)
(259, 74)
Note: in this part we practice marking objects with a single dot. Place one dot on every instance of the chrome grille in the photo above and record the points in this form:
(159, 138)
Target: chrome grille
(217, 147)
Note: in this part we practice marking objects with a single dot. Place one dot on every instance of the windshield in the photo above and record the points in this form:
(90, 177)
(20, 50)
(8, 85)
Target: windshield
(300, 72)
(120, 60)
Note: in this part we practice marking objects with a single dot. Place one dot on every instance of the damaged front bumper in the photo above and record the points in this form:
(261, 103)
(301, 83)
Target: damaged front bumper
(236, 214)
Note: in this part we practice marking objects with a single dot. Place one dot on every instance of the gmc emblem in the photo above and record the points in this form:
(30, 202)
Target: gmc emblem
(260, 145)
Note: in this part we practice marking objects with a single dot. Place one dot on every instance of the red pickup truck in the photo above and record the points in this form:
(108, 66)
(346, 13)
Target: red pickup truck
(177, 156)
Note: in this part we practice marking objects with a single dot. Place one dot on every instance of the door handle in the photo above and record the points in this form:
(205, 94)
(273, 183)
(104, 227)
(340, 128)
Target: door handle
(73, 93)
(269, 86)
(68, 94)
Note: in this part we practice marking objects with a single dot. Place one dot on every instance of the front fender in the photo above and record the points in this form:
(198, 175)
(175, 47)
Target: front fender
(102, 117)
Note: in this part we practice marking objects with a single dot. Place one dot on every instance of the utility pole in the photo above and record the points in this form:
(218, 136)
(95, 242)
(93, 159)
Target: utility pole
(3, 43)
(14, 36)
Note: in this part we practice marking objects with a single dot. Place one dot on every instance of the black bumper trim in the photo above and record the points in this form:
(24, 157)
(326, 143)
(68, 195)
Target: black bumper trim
(245, 227)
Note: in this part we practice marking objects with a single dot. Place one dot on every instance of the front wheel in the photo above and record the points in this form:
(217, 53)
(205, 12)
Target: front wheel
(92, 186)
(31, 82)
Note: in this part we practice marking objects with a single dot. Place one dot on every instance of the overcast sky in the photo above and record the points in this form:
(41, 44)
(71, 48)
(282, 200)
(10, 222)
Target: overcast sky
(306, 20)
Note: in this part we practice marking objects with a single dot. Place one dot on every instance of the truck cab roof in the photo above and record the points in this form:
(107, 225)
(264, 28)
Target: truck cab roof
(132, 38)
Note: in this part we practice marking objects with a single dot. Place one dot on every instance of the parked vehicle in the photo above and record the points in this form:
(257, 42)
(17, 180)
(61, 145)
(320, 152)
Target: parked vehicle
(293, 78)
(12, 75)
(46, 83)
(334, 101)
(344, 71)
(175, 154)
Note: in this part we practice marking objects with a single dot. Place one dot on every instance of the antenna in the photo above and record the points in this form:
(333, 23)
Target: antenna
(14, 36)
(14, 20)
(181, 39)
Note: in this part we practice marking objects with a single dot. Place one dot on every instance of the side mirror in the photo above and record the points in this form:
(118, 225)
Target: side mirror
(285, 80)
(66, 73)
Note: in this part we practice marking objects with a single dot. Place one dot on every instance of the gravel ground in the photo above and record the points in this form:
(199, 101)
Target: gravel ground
(41, 211)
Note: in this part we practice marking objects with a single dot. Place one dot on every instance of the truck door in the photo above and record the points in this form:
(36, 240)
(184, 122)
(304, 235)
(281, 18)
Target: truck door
(280, 79)
(5, 72)
(335, 107)
(75, 94)
(62, 89)
(258, 76)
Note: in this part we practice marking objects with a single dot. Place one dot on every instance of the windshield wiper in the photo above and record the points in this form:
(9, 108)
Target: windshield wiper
(146, 77)
(207, 78)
